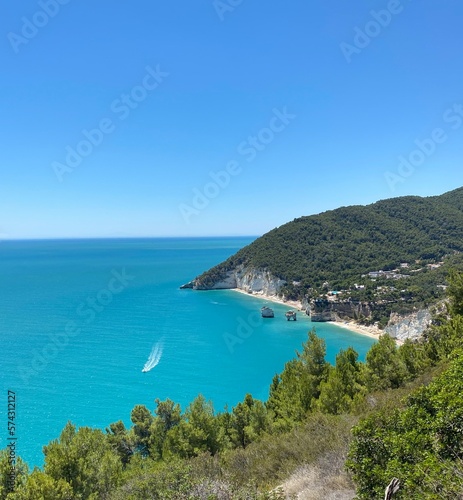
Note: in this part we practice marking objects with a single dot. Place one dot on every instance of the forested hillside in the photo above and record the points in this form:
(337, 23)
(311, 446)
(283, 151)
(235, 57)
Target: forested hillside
(339, 246)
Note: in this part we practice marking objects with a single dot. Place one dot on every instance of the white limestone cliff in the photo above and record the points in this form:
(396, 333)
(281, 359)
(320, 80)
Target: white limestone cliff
(250, 280)
(258, 281)
(410, 326)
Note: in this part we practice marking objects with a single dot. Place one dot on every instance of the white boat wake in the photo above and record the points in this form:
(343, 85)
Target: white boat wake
(154, 357)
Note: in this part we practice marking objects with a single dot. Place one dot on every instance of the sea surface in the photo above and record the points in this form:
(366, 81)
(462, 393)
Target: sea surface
(81, 319)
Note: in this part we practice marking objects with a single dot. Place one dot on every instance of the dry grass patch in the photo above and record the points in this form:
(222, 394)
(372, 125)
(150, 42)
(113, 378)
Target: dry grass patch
(326, 479)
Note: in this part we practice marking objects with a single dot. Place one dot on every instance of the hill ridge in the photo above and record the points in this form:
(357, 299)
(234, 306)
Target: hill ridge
(336, 249)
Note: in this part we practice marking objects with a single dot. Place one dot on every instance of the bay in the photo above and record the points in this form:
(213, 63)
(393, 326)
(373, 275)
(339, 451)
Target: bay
(80, 318)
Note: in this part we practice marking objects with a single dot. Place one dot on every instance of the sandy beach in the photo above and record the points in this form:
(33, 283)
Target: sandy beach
(369, 331)
(294, 304)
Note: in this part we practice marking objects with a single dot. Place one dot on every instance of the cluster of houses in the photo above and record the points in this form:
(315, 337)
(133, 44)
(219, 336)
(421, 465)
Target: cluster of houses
(331, 295)
(395, 274)
(389, 275)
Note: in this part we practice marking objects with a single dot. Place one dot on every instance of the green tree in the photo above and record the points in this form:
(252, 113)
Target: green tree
(41, 486)
(445, 338)
(85, 460)
(385, 367)
(414, 356)
(241, 419)
(11, 479)
(260, 421)
(313, 356)
(293, 392)
(286, 395)
(344, 385)
(196, 433)
(123, 441)
(455, 293)
(142, 420)
(249, 421)
(168, 415)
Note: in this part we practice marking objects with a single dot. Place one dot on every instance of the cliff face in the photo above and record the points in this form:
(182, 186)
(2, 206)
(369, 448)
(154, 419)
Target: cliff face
(258, 281)
(324, 310)
(250, 280)
(410, 326)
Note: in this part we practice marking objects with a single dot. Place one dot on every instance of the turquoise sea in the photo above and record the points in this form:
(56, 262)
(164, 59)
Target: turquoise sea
(80, 319)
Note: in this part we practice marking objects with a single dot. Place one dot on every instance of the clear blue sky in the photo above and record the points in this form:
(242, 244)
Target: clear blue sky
(351, 107)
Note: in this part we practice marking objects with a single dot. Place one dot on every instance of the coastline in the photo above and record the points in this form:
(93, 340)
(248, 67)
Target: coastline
(369, 331)
(295, 304)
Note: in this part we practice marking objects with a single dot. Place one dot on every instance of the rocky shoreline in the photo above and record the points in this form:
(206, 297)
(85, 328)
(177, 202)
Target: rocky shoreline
(261, 284)
(369, 331)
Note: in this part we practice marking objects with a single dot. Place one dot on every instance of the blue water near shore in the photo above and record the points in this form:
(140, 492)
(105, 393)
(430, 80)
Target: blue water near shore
(80, 318)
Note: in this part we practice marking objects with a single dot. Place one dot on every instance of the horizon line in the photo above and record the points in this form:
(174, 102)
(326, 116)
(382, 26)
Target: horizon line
(74, 238)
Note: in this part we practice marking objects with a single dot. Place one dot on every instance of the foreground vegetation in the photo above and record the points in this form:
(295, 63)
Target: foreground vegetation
(405, 405)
